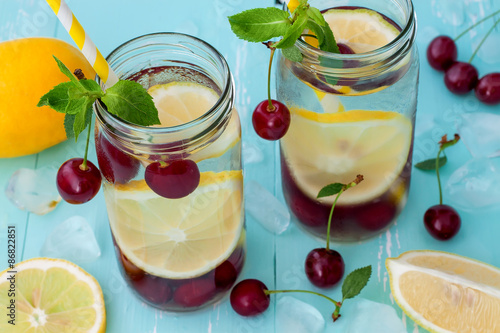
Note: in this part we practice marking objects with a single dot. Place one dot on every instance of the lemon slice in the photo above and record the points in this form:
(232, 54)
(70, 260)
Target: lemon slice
(180, 238)
(363, 30)
(182, 102)
(335, 147)
(444, 292)
(52, 296)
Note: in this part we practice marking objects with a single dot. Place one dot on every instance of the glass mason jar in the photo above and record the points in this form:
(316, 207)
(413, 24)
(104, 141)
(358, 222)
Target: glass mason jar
(185, 253)
(352, 114)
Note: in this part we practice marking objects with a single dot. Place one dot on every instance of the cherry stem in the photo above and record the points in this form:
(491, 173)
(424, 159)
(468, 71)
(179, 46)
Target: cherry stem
(270, 106)
(84, 164)
(337, 304)
(330, 218)
(476, 24)
(438, 178)
(484, 39)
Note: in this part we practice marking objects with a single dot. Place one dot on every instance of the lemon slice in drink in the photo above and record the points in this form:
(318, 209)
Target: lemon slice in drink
(52, 295)
(334, 147)
(180, 238)
(182, 102)
(444, 292)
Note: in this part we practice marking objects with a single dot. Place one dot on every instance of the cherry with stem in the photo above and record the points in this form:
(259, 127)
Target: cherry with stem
(271, 118)
(79, 180)
(324, 267)
(442, 221)
(251, 297)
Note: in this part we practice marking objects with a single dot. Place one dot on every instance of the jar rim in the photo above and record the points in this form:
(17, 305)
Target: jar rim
(366, 56)
(142, 130)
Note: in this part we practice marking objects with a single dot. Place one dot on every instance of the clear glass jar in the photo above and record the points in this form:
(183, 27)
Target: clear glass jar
(176, 254)
(351, 114)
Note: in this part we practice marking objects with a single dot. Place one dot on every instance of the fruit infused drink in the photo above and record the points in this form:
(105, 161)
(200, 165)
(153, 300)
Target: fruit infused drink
(174, 192)
(351, 113)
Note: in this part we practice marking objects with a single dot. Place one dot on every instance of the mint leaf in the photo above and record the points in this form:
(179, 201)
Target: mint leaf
(81, 121)
(69, 120)
(355, 282)
(430, 164)
(260, 24)
(329, 190)
(293, 33)
(57, 98)
(66, 71)
(131, 102)
(328, 43)
(315, 15)
(92, 87)
(292, 53)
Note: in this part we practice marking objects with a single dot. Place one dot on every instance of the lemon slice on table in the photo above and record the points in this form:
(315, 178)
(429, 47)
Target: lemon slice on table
(182, 102)
(444, 292)
(53, 296)
(334, 147)
(180, 238)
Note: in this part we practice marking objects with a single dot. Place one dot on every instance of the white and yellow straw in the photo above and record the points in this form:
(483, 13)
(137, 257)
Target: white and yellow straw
(83, 41)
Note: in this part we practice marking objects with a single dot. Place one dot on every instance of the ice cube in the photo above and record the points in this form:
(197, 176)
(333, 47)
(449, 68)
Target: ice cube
(295, 316)
(489, 51)
(474, 185)
(251, 153)
(479, 131)
(34, 190)
(266, 208)
(363, 316)
(451, 11)
(72, 240)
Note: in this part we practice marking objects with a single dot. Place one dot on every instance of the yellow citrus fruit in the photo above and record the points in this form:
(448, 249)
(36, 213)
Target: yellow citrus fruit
(179, 238)
(52, 296)
(363, 30)
(323, 148)
(292, 4)
(27, 72)
(445, 293)
(182, 102)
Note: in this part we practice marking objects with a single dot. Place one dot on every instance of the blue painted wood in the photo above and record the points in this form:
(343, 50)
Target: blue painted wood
(276, 260)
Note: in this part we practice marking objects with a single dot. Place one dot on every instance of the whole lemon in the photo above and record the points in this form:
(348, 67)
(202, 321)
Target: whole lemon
(27, 72)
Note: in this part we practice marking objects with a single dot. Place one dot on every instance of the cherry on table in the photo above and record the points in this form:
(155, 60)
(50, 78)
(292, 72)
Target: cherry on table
(173, 181)
(271, 123)
(488, 89)
(442, 53)
(324, 267)
(461, 78)
(248, 298)
(75, 184)
(442, 222)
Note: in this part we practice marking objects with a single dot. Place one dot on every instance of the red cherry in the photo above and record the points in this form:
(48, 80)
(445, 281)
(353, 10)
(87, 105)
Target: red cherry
(442, 53)
(132, 271)
(442, 222)
(271, 124)
(461, 78)
(194, 293)
(488, 89)
(248, 298)
(324, 268)
(225, 275)
(154, 289)
(177, 180)
(76, 185)
(116, 166)
(344, 49)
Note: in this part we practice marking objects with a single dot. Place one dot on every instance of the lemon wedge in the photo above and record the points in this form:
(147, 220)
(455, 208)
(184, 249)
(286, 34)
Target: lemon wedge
(180, 238)
(444, 292)
(53, 296)
(182, 102)
(323, 148)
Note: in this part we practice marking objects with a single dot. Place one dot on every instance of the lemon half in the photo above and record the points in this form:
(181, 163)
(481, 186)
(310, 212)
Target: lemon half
(53, 296)
(181, 238)
(444, 292)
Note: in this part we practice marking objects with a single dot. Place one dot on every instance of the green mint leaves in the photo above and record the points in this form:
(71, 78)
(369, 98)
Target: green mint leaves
(263, 24)
(430, 164)
(336, 188)
(355, 282)
(126, 99)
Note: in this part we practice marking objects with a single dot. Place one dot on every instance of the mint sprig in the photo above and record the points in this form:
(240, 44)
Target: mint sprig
(263, 24)
(126, 99)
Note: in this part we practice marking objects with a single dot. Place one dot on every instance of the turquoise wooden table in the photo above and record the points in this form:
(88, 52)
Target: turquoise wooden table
(276, 260)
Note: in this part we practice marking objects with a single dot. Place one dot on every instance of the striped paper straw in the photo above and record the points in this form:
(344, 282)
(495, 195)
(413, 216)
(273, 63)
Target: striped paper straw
(83, 41)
